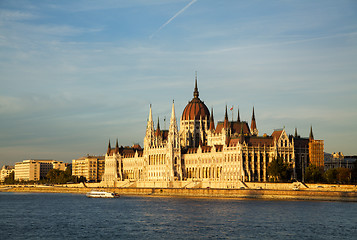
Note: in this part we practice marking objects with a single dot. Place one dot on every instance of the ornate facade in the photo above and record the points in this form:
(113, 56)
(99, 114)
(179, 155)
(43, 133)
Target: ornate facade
(199, 150)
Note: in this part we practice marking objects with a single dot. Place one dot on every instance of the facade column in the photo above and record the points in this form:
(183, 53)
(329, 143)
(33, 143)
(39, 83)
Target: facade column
(247, 166)
(258, 163)
(264, 166)
(253, 165)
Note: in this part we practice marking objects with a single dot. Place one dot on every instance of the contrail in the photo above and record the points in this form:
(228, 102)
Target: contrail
(178, 13)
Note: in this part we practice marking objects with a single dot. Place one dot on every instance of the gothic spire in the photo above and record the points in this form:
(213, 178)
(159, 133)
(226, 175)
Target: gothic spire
(173, 116)
(109, 148)
(311, 137)
(253, 125)
(296, 134)
(238, 118)
(149, 131)
(173, 137)
(158, 127)
(158, 123)
(225, 124)
(211, 124)
(117, 147)
(150, 114)
(195, 91)
(173, 124)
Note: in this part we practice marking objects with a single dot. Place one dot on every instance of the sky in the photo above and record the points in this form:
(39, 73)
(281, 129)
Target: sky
(74, 74)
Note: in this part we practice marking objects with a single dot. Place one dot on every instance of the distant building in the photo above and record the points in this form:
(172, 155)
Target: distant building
(68, 166)
(316, 151)
(90, 167)
(5, 172)
(301, 150)
(338, 160)
(34, 170)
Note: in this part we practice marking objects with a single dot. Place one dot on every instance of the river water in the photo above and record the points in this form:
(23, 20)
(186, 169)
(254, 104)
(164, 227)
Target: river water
(70, 216)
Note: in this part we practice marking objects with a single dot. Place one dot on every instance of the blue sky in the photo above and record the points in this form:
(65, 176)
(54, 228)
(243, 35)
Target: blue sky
(74, 74)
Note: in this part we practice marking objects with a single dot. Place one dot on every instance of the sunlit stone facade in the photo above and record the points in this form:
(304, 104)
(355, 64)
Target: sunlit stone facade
(5, 172)
(90, 167)
(199, 151)
(34, 170)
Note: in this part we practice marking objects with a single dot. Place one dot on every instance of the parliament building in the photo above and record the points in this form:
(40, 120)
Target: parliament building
(201, 151)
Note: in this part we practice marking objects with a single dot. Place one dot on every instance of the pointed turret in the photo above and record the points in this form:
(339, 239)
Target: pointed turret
(173, 131)
(195, 91)
(173, 116)
(296, 134)
(311, 137)
(158, 131)
(117, 147)
(226, 123)
(238, 118)
(211, 120)
(253, 125)
(109, 148)
(150, 115)
(148, 140)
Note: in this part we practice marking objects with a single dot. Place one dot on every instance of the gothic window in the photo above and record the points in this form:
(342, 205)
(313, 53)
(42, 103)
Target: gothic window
(197, 139)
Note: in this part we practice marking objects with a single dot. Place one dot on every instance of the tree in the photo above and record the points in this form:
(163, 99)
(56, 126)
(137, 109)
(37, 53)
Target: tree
(59, 176)
(331, 175)
(343, 175)
(278, 170)
(10, 179)
(354, 172)
(314, 174)
(53, 176)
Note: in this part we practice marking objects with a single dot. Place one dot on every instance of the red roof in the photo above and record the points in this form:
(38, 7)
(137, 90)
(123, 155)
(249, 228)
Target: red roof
(276, 134)
(235, 126)
(195, 109)
(128, 151)
(260, 141)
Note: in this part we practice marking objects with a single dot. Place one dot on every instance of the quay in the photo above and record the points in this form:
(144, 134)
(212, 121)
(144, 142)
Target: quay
(320, 192)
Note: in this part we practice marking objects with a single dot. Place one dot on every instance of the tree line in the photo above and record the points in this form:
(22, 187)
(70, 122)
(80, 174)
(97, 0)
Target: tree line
(54, 176)
(280, 171)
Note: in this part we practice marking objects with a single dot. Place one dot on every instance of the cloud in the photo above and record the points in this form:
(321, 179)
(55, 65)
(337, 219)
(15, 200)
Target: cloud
(278, 43)
(10, 105)
(10, 16)
(172, 18)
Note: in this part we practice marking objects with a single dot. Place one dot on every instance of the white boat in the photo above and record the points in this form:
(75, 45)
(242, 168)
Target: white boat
(100, 194)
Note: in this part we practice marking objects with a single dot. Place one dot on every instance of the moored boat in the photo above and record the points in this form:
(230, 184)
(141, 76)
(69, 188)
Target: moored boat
(100, 194)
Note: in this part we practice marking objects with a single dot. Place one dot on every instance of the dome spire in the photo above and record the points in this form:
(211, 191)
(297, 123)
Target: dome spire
(195, 91)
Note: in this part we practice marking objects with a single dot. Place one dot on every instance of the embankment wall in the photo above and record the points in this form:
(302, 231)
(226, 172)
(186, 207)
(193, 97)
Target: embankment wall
(204, 192)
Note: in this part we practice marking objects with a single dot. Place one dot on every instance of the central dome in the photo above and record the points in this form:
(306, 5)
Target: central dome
(195, 109)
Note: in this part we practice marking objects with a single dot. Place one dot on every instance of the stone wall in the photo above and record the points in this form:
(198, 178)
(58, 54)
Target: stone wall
(308, 194)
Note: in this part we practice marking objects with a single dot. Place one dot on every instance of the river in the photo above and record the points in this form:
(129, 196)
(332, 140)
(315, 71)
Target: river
(73, 216)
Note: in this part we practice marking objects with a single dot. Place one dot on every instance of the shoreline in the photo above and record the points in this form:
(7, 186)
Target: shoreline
(213, 193)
